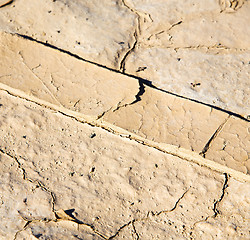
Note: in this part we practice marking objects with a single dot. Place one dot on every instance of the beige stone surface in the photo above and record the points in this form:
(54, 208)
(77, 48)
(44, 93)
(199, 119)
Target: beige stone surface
(91, 29)
(97, 176)
(165, 118)
(221, 80)
(19, 199)
(198, 50)
(232, 145)
(60, 79)
(88, 152)
(56, 230)
(195, 49)
(230, 223)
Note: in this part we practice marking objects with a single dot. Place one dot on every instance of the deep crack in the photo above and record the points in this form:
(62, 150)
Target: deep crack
(218, 130)
(225, 185)
(168, 149)
(119, 106)
(135, 232)
(6, 4)
(144, 81)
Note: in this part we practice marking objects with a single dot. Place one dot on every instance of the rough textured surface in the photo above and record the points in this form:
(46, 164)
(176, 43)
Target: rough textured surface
(105, 189)
(232, 145)
(61, 79)
(169, 119)
(86, 28)
(88, 150)
(196, 50)
(220, 80)
(19, 199)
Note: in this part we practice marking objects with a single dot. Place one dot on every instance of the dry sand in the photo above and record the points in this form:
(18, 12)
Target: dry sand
(124, 119)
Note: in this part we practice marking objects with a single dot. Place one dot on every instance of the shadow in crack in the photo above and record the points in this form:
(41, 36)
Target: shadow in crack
(142, 82)
(7, 3)
(68, 215)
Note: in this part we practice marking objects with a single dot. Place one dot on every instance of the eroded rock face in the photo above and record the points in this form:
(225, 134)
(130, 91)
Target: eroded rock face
(63, 80)
(104, 185)
(165, 118)
(91, 179)
(196, 50)
(221, 80)
(231, 146)
(124, 119)
(91, 29)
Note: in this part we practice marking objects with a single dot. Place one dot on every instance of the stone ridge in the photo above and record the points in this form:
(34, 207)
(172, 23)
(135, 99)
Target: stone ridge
(154, 117)
(124, 119)
(82, 180)
(163, 147)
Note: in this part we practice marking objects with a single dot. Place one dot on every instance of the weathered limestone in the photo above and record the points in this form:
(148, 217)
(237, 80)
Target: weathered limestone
(87, 152)
(60, 79)
(221, 80)
(98, 93)
(232, 145)
(165, 118)
(230, 223)
(165, 38)
(56, 230)
(19, 198)
(91, 29)
(233, 217)
(196, 51)
(105, 184)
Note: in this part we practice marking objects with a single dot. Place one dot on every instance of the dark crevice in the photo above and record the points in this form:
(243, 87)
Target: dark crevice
(135, 232)
(6, 4)
(225, 185)
(141, 80)
(218, 130)
(123, 61)
(118, 231)
(140, 93)
(197, 101)
(137, 99)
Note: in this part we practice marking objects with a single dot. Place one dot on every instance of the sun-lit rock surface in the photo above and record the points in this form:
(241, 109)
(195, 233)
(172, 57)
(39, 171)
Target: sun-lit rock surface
(124, 119)
(91, 29)
(103, 183)
(61, 79)
(169, 119)
(231, 146)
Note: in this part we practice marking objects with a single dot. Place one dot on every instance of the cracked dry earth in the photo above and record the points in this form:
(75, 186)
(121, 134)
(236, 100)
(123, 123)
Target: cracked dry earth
(124, 119)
